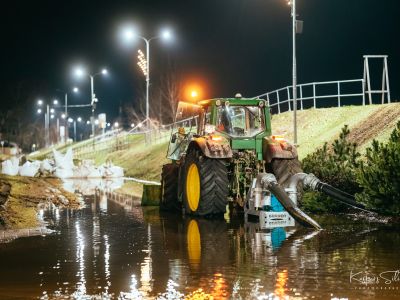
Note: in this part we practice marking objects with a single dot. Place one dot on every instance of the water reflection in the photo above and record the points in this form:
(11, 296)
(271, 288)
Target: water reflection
(80, 259)
(120, 250)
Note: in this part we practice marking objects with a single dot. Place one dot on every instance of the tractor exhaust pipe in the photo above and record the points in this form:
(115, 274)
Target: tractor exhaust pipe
(268, 181)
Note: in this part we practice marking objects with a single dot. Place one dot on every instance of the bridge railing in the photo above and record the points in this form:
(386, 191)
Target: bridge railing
(316, 94)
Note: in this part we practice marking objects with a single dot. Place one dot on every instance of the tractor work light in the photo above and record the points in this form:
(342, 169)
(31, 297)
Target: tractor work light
(216, 138)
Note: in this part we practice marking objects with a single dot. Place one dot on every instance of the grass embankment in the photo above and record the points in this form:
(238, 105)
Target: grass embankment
(20, 197)
(317, 126)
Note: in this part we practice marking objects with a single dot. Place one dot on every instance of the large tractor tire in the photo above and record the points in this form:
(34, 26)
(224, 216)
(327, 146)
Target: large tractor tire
(205, 185)
(283, 169)
(169, 188)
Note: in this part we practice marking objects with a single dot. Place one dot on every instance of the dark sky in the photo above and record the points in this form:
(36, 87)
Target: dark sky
(228, 45)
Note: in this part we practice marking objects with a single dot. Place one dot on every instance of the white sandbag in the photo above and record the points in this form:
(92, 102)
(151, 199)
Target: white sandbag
(63, 173)
(29, 169)
(64, 161)
(86, 169)
(108, 170)
(46, 166)
(10, 166)
(117, 171)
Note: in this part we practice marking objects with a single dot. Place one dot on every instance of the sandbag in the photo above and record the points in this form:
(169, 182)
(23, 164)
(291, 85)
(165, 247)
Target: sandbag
(46, 166)
(108, 170)
(29, 169)
(64, 161)
(10, 166)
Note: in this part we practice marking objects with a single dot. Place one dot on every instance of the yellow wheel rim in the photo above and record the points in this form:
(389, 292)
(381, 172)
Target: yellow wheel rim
(193, 187)
(193, 243)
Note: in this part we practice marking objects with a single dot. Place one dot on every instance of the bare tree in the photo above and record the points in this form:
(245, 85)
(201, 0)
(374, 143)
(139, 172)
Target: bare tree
(171, 89)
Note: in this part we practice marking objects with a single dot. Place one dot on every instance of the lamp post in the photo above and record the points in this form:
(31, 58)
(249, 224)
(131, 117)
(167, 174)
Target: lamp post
(79, 72)
(75, 90)
(40, 103)
(79, 120)
(292, 4)
(144, 61)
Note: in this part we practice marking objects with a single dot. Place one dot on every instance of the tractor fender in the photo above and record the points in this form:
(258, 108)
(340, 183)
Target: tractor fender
(278, 148)
(213, 148)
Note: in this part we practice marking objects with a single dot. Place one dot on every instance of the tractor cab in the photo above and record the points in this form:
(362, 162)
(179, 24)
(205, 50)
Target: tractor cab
(241, 122)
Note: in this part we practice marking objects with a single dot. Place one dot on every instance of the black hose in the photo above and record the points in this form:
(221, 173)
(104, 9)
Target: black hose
(291, 208)
(340, 196)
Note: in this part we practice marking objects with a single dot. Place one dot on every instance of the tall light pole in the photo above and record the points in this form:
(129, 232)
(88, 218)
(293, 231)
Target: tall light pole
(292, 3)
(128, 34)
(79, 72)
(47, 112)
(65, 115)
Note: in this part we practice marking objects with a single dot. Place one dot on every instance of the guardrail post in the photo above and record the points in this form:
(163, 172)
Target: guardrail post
(363, 91)
(279, 104)
(288, 97)
(338, 92)
(301, 97)
(315, 102)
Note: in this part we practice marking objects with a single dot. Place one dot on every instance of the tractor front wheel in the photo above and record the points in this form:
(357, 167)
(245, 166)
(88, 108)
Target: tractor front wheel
(205, 185)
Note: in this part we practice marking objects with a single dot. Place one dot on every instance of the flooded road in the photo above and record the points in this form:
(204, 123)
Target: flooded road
(115, 249)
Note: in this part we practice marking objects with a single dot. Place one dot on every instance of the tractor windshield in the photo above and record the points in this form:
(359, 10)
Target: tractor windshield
(240, 121)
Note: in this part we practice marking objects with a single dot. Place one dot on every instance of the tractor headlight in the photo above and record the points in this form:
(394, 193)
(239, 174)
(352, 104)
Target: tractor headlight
(209, 129)
(218, 103)
(261, 104)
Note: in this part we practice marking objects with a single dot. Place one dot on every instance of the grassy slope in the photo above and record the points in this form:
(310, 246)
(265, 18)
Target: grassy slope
(315, 126)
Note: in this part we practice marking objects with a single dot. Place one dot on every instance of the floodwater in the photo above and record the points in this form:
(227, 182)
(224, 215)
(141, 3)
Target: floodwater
(115, 249)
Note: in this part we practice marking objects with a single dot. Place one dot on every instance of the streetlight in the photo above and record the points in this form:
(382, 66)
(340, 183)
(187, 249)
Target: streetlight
(47, 117)
(70, 120)
(65, 114)
(129, 34)
(80, 72)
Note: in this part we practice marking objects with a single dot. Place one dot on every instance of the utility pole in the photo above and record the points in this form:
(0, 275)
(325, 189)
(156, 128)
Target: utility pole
(92, 101)
(66, 118)
(47, 126)
(294, 71)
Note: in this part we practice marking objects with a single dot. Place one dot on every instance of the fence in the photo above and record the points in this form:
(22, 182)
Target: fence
(119, 140)
(311, 94)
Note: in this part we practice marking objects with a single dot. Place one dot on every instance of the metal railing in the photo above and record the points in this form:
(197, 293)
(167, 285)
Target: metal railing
(310, 93)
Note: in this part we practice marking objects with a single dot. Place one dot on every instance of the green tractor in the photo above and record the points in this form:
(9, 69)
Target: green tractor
(217, 148)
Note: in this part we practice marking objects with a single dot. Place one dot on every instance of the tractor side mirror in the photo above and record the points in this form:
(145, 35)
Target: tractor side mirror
(173, 138)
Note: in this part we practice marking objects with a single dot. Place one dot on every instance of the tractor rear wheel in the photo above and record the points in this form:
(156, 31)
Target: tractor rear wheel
(283, 169)
(169, 188)
(206, 185)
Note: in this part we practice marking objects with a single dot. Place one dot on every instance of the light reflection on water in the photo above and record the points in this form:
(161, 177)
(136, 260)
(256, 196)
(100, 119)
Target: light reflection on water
(114, 249)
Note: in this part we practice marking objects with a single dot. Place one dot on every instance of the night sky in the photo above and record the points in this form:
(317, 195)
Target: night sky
(227, 46)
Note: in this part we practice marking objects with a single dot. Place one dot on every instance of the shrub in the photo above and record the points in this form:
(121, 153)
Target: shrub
(336, 165)
(379, 175)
